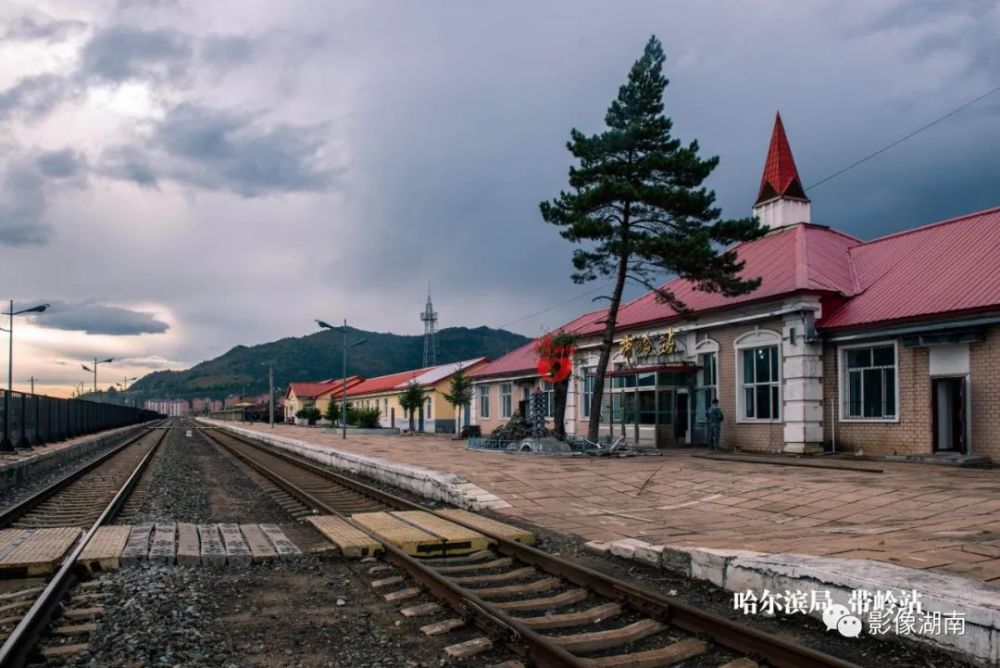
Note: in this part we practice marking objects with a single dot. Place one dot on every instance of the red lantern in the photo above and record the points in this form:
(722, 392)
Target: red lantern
(555, 370)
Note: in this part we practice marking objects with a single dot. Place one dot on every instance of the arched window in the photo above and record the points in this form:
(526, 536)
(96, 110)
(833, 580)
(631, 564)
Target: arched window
(758, 375)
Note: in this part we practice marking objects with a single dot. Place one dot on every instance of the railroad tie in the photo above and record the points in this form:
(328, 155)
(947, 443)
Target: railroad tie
(681, 650)
(469, 647)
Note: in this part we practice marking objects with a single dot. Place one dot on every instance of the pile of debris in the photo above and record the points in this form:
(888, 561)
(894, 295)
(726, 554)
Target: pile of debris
(516, 429)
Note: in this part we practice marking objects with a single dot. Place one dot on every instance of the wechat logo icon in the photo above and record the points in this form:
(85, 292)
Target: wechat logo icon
(840, 618)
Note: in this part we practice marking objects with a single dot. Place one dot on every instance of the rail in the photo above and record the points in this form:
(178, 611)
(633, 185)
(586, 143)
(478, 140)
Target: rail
(540, 649)
(17, 648)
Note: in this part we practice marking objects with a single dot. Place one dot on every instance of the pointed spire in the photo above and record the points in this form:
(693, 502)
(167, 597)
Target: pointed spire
(781, 178)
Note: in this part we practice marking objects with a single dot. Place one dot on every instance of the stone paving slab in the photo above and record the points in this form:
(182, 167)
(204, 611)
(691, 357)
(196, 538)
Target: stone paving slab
(935, 518)
(169, 543)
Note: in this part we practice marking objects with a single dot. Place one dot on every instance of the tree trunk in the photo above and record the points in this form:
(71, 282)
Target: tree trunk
(560, 392)
(413, 417)
(593, 428)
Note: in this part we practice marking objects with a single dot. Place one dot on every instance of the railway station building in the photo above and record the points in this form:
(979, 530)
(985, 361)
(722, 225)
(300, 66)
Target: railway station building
(383, 392)
(888, 347)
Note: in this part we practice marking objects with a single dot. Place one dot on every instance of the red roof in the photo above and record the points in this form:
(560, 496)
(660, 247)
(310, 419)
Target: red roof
(311, 390)
(383, 383)
(795, 258)
(780, 178)
(946, 268)
(523, 359)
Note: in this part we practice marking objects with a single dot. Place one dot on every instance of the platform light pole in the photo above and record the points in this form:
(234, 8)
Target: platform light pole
(5, 444)
(343, 397)
(94, 370)
(270, 392)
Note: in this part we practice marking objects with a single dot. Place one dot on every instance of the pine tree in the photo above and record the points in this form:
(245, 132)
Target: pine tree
(459, 395)
(639, 210)
(332, 411)
(412, 400)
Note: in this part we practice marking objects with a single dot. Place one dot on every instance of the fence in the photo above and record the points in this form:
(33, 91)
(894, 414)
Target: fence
(28, 420)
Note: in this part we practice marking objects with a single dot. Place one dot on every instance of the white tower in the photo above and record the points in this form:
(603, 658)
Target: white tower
(782, 199)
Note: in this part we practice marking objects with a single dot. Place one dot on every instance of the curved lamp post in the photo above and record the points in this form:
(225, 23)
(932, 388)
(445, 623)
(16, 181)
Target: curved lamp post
(94, 370)
(343, 398)
(5, 444)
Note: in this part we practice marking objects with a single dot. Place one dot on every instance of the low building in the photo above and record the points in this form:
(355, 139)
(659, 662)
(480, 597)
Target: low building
(383, 393)
(313, 394)
(888, 346)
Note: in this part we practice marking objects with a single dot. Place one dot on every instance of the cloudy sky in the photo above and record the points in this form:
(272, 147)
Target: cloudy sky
(179, 177)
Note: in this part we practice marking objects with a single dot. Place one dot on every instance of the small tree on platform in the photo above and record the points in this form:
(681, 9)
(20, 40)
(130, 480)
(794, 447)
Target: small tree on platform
(459, 395)
(637, 205)
(332, 411)
(555, 353)
(412, 400)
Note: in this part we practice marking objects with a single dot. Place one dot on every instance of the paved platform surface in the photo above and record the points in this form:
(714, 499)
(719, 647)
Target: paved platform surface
(936, 518)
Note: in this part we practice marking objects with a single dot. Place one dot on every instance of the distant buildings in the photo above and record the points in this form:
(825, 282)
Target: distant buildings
(171, 408)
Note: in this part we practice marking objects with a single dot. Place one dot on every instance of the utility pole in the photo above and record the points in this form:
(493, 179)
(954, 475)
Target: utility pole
(270, 393)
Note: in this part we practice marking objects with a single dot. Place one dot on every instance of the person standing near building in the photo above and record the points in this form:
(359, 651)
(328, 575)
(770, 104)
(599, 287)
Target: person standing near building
(714, 417)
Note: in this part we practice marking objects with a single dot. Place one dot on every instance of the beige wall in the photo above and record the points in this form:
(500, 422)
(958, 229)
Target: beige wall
(984, 359)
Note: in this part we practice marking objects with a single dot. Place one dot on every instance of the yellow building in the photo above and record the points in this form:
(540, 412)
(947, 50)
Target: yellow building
(314, 394)
(383, 393)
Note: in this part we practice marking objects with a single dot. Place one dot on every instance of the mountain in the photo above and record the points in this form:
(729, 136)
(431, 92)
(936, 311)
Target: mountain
(243, 370)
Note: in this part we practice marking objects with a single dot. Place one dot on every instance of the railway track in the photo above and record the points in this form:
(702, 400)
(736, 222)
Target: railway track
(88, 497)
(553, 611)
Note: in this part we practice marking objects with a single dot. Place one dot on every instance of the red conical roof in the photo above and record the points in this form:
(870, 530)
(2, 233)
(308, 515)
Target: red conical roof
(780, 179)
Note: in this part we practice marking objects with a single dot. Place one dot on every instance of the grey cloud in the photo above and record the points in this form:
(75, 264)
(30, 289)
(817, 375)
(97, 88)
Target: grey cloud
(220, 150)
(128, 163)
(228, 50)
(42, 27)
(33, 96)
(121, 53)
(95, 318)
(61, 164)
(22, 206)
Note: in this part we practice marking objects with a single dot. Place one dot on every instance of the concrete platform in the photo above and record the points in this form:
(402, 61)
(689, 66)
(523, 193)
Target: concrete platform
(35, 552)
(26, 464)
(185, 544)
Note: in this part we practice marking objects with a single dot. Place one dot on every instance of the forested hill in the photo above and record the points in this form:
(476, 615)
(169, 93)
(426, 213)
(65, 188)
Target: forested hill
(243, 370)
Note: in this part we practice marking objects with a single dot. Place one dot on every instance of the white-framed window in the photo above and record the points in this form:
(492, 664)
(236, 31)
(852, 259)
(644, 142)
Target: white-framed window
(709, 375)
(586, 391)
(869, 382)
(506, 399)
(548, 389)
(758, 371)
(429, 412)
(484, 401)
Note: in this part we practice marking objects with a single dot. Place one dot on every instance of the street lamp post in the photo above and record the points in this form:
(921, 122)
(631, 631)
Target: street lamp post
(94, 370)
(343, 397)
(5, 444)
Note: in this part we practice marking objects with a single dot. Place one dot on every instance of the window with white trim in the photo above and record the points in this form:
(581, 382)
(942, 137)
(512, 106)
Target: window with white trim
(586, 391)
(506, 399)
(484, 401)
(760, 376)
(430, 406)
(868, 382)
(709, 379)
(548, 389)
